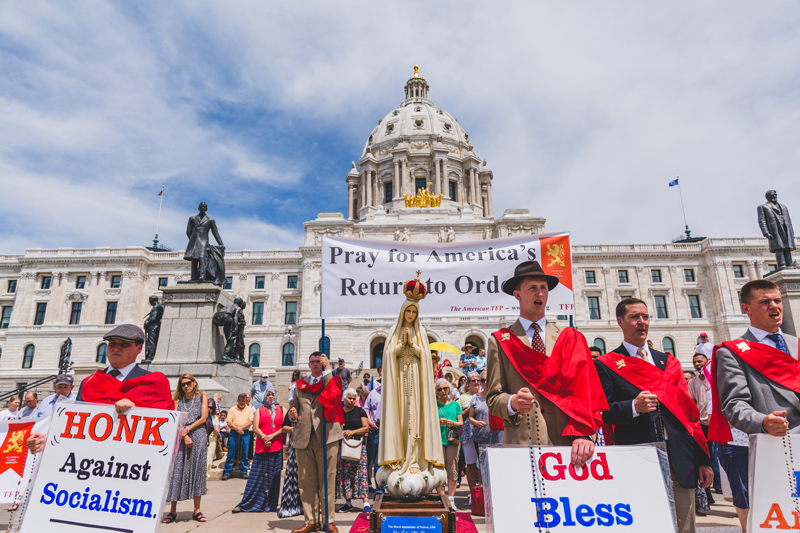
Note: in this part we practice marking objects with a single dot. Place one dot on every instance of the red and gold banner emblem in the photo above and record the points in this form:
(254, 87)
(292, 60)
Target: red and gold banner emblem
(14, 449)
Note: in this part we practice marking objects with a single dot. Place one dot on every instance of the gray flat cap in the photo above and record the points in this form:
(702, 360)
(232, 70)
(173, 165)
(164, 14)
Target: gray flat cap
(126, 332)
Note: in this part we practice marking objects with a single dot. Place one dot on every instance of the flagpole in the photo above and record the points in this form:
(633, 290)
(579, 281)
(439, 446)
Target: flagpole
(158, 222)
(680, 195)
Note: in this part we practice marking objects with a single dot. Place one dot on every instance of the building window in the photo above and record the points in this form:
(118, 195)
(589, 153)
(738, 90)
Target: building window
(41, 309)
(738, 271)
(102, 352)
(661, 307)
(116, 281)
(387, 192)
(325, 346)
(162, 282)
(80, 282)
(694, 306)
(111, 312)
(594, 307)
(6, 318)
(562, 317)
(623, 276)
(600, 343)
(655, 275)
(668, 345)
(688, 275)
(288, 354)
(772, 267)
(258, 314)
(12, 285)
(419, 183)
(228, 283)
(75, 314)
(259, 282)
(292, 282)
(46, 280)
(453, 190)
(27, 359)
(590, 277)
(255, 355)
(291, 313)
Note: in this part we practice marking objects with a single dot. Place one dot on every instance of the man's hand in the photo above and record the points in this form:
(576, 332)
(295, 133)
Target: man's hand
(240, 431)
(373, 425)
(768, 236)
(479, 424)
(706, 477)
(325, 363)
(36, 441)
(347, 433)
(776, 424)
(582, 451)
(123, 405)
(293, 413)
(522, 402)
(645, 402)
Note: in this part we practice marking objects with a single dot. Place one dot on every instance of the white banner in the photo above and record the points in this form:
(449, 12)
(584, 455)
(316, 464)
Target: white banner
(100, 471)
(774, 478)
(16, 463)
(365, 277)
(622, 488)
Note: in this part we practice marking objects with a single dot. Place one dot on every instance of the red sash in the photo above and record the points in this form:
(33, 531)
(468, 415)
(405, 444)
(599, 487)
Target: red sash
(330, 397)
(775, 365)
(151, 390)
(566, 378)
(668, 385)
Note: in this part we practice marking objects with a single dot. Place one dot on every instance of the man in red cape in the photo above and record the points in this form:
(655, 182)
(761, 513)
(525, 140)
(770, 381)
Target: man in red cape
(123, 382)
(755, 382)
(540, 380)
(317, 400)
(649, 401)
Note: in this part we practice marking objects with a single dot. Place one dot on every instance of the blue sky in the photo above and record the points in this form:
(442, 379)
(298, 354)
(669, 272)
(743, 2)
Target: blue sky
(584, 111)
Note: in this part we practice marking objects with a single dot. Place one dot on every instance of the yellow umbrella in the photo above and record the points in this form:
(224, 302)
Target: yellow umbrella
(444, 347)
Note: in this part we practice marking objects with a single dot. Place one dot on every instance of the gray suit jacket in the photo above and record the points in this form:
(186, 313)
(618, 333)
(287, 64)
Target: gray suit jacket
(310, 416)
(747, 396)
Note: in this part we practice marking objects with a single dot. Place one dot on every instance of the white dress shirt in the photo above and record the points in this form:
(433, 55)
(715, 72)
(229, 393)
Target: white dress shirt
(648, 358)
(529, 330)
(761, 336)
(123, 372)
(312, 380)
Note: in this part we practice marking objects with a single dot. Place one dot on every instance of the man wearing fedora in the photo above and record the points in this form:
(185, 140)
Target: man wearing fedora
(522, 400)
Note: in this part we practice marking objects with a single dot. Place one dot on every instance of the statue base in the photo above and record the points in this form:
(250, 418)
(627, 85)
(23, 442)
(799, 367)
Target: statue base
(189, 343)
(788, 281)
(436, 508)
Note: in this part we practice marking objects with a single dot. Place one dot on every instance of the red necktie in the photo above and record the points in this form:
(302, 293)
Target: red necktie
(536, 341)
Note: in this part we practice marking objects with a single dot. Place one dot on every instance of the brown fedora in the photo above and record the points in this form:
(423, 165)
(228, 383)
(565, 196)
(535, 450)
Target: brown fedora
(525, 270)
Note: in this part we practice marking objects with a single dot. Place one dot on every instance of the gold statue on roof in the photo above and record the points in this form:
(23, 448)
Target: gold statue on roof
(423, 198)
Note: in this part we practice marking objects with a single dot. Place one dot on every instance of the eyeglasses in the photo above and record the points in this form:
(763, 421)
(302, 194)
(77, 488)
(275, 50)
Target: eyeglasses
(483, 380)
(443, 389)
(637, 317)
(187, 383)
(475, 381)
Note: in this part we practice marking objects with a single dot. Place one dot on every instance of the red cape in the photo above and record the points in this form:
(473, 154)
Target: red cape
(567, 378)
(668, 385)
(330, 397)
(151, 390)
(775, 365)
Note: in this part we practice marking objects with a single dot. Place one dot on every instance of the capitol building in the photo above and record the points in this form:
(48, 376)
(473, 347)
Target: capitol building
(690, 286)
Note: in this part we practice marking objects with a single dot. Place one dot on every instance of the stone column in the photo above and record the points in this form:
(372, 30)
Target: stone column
(376, 197)
(760, 268)
(368, 185)
(489, 208)
(438, 189)
(396, 193)
(788, 281)
(349, 201)
(445, 180)
(751, 270)
(473, 193)
(404, 177)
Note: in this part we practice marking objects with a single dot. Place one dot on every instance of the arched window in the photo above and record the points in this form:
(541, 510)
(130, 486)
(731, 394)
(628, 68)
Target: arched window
(325, 346)
(600, 343)
(377, 355)
(669, 345)
(255, 355)
(27, 360)
(102, 352)
(288, 354)
(476, 341)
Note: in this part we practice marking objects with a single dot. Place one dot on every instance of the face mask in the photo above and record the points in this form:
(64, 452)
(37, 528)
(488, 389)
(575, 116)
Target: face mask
(263, 380)
(269, 401)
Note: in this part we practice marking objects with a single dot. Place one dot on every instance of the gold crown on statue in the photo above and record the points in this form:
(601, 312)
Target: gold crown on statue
(415, 290)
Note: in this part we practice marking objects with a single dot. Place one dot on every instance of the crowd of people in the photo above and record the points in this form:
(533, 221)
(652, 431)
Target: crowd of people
(331, 424)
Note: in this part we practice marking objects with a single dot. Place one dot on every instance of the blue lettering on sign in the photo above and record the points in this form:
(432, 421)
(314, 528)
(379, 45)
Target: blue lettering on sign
(411, 524)
(796, 484)
(113, 503)
(549, 513)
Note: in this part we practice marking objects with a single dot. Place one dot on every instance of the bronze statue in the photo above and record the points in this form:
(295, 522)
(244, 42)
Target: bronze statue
(208, 261)
(776, 226)
(64, 363)
(152, 327)
(231, 318)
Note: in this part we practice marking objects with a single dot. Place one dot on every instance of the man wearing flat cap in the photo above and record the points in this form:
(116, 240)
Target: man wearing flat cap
(527, 359)
(63, 386)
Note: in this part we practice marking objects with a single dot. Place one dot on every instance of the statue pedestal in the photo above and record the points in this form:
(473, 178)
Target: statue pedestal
(788, 281)
(189, 343)
(435, 508)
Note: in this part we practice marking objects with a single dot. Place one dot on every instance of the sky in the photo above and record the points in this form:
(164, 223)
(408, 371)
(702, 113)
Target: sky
(584, 111)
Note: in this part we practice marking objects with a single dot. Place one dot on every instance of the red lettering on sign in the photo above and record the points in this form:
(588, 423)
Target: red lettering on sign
(558, 467)
(130, 432)
(775, 515)
(150, 429)
(72, 424)
(93, 426)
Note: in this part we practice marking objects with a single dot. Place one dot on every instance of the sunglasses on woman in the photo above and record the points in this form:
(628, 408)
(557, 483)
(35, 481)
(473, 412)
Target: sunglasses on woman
(443, 389)
(187, 383)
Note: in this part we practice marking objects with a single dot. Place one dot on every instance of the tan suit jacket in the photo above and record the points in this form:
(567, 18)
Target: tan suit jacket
(310, 414)
(503, 381)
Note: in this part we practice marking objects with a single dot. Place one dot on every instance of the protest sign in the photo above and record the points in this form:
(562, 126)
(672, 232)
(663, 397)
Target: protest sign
(365, 277)
(15, 461)
(623, 488)
(100, 471)
(774, 478)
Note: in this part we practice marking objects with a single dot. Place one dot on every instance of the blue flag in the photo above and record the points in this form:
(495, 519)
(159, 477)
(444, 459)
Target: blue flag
(673, 182)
